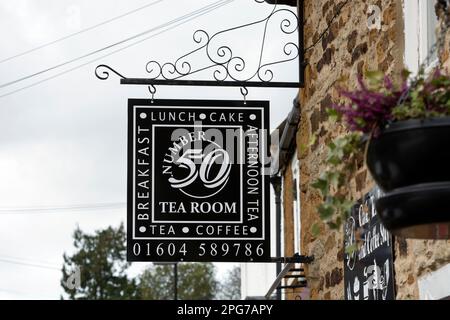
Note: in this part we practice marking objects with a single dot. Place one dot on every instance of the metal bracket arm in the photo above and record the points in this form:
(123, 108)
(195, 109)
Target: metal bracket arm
(295, 259)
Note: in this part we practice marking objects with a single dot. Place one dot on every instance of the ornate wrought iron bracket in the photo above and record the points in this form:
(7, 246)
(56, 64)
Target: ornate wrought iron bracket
(227, 68)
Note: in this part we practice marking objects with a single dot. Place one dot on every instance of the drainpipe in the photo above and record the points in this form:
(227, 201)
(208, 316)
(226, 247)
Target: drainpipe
(279, 161)
(276, 184)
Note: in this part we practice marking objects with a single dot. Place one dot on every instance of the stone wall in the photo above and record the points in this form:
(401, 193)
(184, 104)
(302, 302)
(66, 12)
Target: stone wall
(348, 50)
(288, 213)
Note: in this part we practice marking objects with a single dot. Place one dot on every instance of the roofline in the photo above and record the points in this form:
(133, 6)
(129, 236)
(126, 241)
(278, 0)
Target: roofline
(287, 141)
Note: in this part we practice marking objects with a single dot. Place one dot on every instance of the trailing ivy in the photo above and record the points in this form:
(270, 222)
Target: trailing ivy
(429, 98)
(341, 161)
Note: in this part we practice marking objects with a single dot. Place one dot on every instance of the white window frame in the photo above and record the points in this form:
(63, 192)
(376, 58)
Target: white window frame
(416, 34)
(434, 285)
(295, 171)
(296, 202)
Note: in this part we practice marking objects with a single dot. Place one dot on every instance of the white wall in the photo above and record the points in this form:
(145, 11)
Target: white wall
(257, 278)
(435, 285)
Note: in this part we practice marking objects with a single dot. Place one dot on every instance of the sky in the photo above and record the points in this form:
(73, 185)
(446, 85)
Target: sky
(63, 140)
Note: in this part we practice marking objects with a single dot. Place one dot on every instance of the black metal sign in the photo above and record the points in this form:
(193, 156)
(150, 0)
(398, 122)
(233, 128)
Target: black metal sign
(198, 189)
(368, 263)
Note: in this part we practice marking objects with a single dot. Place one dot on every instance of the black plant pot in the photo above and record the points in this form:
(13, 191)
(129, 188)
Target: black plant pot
(411, 152)
(410, 161)
(419, 211)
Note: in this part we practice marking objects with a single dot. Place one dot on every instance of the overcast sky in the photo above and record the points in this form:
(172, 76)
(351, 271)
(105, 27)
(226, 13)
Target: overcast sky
(63, 141)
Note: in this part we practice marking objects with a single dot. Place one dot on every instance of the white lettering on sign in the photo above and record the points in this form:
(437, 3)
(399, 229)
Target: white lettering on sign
(373, 239)
(182, 116)
(220, 230)
(368, 269)
(376, 279)
(253, 172)
(209, 157)
(197, 207)
(143, 185)
(161, 230)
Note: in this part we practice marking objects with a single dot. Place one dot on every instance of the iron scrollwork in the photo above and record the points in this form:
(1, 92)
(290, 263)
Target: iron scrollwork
(226, 65)
(102, 72)
(221, 60)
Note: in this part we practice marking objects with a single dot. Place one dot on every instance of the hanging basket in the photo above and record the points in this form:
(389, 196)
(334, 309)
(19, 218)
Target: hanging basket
(410, 161)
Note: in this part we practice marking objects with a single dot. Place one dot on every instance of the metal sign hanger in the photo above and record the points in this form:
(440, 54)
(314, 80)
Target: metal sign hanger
(225, 66)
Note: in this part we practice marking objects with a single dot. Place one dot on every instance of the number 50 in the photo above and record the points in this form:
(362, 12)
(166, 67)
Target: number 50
(204, 173)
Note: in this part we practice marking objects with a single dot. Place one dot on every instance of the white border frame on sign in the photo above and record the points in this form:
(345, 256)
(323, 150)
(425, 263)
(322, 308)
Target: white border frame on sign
(153, 175)
(263, 152)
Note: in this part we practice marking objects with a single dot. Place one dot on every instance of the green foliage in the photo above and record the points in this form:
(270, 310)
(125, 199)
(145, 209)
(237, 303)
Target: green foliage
(352, 248)
(311, 142)
(341, 161)
(378, 101)
(428, 98)
(333, 115)
(375, 79)
(315, 230)
(101, 259)
(196, 281)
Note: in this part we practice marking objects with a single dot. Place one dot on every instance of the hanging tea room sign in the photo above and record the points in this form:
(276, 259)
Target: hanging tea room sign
(198, 186)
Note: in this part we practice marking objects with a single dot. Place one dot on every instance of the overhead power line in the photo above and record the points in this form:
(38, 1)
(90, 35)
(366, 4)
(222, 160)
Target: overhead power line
(27, 264)
(80, 32)
(33, 261)
(194, 16)
(58, 209)
(167, 24)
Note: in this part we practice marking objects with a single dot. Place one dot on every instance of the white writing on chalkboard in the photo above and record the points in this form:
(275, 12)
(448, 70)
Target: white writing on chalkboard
(368, 270)
(376, 282)
(373, 239)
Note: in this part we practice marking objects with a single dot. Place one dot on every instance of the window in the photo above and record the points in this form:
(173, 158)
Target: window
(432, 23)
(420, 33)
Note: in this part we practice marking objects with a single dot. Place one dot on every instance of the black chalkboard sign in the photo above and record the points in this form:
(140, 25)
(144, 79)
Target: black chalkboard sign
(368, 262)
(198, 186)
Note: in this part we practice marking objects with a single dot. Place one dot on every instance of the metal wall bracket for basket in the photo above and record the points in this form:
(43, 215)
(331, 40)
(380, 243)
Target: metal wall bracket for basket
(289, 272)
(226, 68)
